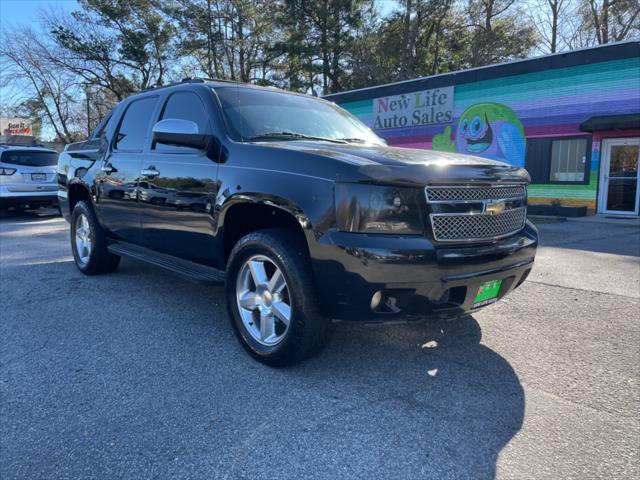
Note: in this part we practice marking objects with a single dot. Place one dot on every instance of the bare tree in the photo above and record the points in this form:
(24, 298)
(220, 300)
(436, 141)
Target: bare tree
(612, 20)
(498, 31)
(421, 24)
(225, 38)
(25, 62)
(483, 12)
(551, 19)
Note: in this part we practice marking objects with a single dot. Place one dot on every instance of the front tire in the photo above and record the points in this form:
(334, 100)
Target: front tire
(271, 298)
(89, 243)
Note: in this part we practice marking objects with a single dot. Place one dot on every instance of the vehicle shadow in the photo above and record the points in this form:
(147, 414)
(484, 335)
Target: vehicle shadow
(156, 369)
(30, 214)
(448, 403)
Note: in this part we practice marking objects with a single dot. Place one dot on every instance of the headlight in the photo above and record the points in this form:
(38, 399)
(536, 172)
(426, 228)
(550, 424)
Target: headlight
(378, 209)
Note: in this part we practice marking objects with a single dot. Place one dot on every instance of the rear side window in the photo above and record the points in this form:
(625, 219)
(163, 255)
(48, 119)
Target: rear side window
(136, 124)
(29, 159)
(99, 130)
(185, 106)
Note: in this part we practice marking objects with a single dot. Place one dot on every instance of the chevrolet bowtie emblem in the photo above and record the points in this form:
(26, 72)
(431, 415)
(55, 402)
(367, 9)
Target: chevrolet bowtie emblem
(494, 207)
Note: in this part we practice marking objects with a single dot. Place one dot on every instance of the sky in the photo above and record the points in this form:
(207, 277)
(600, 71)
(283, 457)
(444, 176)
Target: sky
(25, 12)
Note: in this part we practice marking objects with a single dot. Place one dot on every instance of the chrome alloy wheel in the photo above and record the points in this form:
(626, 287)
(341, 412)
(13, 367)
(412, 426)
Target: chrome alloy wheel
(263, 300)
(83, 239)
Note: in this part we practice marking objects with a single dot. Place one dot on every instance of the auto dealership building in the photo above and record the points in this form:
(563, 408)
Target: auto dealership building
(571, 119)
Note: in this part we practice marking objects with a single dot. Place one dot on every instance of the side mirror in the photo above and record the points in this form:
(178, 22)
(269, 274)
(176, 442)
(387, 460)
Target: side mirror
(181, 133)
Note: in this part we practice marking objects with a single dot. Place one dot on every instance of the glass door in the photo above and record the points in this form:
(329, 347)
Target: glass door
(620, 187)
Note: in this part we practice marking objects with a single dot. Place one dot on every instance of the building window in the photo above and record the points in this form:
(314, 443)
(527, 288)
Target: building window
(559, 160)
(568, 160)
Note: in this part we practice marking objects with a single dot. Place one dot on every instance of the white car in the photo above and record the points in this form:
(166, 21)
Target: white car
(148, 192)
(194, 201)
(28, 177)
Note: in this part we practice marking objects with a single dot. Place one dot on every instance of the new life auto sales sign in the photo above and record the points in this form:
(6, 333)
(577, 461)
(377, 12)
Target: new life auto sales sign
(424, 107)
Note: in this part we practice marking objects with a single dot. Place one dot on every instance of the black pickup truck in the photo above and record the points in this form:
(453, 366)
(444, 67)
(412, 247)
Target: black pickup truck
(300, 210)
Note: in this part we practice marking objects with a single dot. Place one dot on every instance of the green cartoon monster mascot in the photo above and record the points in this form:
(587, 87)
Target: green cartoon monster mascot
(490, 130)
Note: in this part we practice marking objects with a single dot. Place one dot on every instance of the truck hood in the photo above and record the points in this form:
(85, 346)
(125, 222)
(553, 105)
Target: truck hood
(381, 163)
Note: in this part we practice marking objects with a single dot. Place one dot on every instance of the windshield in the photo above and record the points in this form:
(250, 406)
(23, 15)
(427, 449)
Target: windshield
(254, 115)
(29, 159)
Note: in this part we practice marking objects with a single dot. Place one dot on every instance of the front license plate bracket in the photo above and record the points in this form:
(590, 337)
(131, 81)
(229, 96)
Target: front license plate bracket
(487, 293)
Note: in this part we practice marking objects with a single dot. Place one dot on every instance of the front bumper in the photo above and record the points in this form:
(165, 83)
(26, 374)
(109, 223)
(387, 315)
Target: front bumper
(412, 277)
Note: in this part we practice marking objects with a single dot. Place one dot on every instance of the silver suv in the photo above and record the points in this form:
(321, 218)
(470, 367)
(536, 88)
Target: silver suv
(27, 177)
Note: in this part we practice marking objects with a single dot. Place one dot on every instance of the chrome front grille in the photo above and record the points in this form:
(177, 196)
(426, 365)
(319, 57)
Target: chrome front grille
(462, 227)
(477, 194)
(476, 213)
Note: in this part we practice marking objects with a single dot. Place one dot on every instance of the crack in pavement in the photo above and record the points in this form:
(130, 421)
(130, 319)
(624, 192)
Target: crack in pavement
(583, 289)
(583, 239)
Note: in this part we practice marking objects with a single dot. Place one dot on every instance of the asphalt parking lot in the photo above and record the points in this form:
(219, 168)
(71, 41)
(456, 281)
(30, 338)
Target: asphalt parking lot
(137, 375)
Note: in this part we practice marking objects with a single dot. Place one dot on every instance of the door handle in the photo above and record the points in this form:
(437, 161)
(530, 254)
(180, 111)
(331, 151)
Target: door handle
(150, 172)
(106, 168)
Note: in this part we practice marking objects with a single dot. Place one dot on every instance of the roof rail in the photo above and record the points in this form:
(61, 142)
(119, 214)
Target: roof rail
(205, 79)
(22, 145)
(190, 80)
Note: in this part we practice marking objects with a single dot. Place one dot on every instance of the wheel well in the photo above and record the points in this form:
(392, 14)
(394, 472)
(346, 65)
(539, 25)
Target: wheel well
(75, 194)
(245, 218)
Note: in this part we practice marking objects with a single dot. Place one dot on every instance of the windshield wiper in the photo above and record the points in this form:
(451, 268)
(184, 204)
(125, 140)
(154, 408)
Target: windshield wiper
(293, 136)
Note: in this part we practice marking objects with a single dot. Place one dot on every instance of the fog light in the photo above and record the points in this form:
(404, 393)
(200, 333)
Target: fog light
(375, 300)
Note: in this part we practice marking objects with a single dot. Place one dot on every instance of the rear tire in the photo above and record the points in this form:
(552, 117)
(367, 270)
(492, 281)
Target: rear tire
(89, 242)
(286, 342)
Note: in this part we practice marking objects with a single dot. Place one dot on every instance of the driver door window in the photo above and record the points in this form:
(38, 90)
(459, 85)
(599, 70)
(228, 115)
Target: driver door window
(184, 106)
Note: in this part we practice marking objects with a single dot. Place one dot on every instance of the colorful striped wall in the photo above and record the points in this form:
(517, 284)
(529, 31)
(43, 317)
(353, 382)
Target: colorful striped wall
(547, 103)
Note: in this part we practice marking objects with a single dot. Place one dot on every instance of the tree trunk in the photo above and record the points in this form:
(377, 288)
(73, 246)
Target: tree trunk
(406, 27)
(210, 43)
(555, 6)
(241, 47)
(605, 21)
(324, 47)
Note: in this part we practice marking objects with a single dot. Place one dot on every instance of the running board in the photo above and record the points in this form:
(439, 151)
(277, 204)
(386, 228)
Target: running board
(185, 268)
